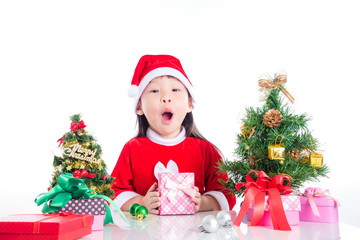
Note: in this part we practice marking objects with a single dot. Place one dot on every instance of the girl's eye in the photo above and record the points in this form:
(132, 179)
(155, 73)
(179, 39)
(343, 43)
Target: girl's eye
(154, 91)
(176, 90)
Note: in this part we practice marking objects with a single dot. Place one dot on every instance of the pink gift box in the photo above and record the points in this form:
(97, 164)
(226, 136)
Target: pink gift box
(291, 204)
(98, 224)
(180, 203)
(94, 206)
(327, 207)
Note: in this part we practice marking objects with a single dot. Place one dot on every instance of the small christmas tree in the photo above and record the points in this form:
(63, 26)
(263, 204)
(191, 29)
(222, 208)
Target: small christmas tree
(82, 157)
(276, 141)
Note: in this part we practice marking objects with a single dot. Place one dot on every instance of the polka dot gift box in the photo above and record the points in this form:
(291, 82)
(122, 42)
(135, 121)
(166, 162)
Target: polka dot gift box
(94, 206)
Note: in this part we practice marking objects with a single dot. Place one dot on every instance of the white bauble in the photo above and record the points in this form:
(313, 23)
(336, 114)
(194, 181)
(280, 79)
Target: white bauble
(223, 217)
(210, 223)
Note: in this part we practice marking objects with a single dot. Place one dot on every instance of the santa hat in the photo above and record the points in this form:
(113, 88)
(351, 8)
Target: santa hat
(152, 66)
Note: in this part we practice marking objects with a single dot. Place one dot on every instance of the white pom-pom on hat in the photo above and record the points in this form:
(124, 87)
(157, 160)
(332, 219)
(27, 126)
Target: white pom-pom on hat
(133, 91)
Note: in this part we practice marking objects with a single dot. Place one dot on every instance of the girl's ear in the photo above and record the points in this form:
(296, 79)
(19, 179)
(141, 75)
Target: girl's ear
(190, 105)
(139, 110)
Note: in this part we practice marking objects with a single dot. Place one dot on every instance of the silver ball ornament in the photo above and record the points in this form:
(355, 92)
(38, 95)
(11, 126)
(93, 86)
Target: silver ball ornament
(210, 223)
(224, 218)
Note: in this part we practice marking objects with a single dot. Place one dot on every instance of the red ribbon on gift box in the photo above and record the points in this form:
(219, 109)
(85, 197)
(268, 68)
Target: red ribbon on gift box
(36, 228)
(256, 190)
(74, 126)
(83, 173)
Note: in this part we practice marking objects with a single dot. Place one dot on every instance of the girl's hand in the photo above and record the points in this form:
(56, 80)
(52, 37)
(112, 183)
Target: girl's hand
(151, 200)
(197, 199)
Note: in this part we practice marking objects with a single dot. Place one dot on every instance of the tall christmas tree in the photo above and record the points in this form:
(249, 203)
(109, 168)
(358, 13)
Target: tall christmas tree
(82, 157)
(275, 140)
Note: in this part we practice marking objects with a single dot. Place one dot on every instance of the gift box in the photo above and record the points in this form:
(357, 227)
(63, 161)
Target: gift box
(94, 206)
(45, 226)
(175, 190)
(327, 207)
(292, 207)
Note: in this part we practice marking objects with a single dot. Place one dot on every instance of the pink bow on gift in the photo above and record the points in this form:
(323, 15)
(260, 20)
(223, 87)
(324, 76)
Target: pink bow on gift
(311, 192)
(183, 186)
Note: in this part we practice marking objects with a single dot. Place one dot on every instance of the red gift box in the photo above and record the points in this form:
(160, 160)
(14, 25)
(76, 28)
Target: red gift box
(45, 226)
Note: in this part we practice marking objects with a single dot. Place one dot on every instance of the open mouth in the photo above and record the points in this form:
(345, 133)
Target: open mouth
(167, 116)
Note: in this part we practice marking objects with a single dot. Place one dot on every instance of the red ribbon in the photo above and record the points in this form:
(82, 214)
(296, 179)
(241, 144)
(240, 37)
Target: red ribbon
(61, 140)
(74, 126)
(36, 228)
(256, 190)
(83, 173)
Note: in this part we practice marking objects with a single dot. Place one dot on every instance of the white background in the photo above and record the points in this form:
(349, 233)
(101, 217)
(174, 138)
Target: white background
(58, 58)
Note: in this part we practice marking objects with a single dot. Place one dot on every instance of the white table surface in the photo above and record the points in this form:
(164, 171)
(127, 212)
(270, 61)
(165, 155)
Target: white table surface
(185, 227)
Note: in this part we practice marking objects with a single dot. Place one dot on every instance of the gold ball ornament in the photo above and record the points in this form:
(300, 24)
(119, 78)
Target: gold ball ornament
(247, 148)
(281, 162)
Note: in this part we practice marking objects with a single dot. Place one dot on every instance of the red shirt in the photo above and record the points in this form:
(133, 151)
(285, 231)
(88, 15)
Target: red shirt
(134, 170)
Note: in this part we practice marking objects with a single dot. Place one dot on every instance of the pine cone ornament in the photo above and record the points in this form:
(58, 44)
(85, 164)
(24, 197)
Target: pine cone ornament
(272, 118)
(251, 160)
(80, 132)
(295, 154)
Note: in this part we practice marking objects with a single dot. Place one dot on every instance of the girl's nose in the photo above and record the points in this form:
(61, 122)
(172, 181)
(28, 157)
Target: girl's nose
(166, 100)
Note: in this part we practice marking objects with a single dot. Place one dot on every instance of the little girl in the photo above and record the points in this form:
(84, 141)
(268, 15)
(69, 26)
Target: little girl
(164, 100)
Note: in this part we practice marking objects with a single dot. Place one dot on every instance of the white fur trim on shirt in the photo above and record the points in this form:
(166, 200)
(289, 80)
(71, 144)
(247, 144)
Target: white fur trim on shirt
(221, 199)
(156, 138)
(123, 198)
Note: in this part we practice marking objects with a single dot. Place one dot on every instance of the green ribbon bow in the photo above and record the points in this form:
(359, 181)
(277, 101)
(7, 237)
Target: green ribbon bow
(68, 188)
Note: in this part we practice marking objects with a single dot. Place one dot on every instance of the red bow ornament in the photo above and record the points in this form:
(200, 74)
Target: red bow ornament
(256, 190)
(74, 126)
(83, 173)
